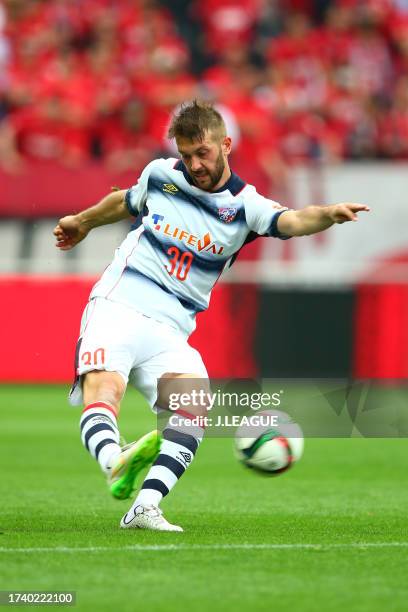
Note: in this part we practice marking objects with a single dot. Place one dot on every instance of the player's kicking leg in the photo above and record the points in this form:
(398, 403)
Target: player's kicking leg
(103, 392)
(180, 443)
(132, 459)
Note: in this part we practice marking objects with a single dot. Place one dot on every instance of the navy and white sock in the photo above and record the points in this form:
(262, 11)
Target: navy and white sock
(100, 434)
(178, 449)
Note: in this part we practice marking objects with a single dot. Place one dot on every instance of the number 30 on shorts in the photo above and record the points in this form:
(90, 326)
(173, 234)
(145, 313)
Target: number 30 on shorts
(180, 263)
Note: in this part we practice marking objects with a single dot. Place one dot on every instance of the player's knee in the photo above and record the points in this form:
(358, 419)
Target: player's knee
(102, 386)
(188, 393)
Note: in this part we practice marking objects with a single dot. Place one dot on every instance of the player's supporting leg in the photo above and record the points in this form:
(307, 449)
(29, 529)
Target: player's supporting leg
(181, 439)
(178, 449)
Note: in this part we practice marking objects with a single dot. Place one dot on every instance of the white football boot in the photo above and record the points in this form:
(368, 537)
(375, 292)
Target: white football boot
(147, 517)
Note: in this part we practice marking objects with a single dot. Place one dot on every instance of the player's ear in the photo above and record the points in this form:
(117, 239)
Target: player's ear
(226, 145)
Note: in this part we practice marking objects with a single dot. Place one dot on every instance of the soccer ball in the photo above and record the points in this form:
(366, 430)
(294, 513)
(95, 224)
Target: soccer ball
(269, 441)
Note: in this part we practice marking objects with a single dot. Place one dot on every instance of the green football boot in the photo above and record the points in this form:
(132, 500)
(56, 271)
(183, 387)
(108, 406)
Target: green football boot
(133, 458)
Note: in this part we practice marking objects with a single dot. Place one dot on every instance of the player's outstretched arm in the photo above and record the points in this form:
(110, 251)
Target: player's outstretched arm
(72, 229)
(315, 219)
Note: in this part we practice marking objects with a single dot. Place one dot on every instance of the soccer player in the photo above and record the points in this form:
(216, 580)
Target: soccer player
(194, 215)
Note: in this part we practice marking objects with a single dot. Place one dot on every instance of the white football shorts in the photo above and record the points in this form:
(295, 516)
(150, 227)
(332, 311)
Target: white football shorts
(117, 338)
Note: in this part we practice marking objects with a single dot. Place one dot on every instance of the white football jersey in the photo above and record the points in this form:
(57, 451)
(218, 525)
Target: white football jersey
(184, 238)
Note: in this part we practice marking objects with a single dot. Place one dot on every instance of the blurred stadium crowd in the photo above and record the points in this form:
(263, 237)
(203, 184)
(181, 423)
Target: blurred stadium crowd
(302, 79)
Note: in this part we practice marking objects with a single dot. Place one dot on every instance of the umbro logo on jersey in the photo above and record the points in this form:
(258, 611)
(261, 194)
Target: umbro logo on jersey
(169, 188)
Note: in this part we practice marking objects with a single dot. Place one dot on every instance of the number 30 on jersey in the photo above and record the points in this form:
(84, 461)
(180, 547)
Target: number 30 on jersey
(179, 263)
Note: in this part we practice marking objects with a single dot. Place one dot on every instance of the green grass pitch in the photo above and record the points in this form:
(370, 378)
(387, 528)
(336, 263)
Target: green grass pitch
(246, 536)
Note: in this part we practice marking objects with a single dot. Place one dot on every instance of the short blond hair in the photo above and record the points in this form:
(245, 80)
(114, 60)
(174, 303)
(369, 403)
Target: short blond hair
(196, 118)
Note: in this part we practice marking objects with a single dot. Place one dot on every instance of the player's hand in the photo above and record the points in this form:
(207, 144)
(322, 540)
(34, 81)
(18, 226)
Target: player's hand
(69, 232)
(346, 211)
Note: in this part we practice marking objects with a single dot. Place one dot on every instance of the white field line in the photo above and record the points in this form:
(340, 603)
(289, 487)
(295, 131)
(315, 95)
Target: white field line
(177, 547)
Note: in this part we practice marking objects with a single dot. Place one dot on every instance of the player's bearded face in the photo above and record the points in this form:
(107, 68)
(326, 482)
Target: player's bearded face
(207, 178)
(204, 161)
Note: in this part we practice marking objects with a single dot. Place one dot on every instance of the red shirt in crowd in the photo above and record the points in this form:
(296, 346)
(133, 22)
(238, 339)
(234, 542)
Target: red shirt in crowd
(46, 136)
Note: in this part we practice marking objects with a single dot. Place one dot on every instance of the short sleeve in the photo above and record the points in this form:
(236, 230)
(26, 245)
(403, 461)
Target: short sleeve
(136, 196)
(262, 214)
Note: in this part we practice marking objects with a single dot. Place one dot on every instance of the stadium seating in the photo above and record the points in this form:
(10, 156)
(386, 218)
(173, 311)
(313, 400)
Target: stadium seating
(328, 77)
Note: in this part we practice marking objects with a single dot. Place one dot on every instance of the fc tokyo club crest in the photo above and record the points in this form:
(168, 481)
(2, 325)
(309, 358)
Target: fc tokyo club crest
(227, 214)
